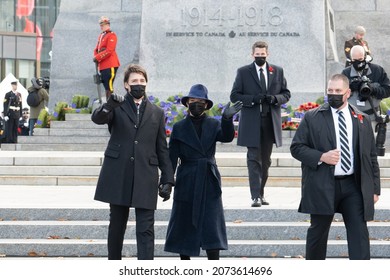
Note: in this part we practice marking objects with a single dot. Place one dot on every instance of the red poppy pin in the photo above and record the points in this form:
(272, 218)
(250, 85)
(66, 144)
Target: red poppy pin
(359, 116)
(270, 69)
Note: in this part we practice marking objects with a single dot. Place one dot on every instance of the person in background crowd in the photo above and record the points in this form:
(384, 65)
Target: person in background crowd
(43, 96)
(136, 150)
(23, 122)
(361, 72)
(340, 173)
(197, 218)
(105, 55)
(12, 112)
(357, 40)
(262, 89)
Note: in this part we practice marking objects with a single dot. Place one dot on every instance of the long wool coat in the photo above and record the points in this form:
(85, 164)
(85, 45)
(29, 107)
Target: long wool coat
(129, 175)
(245, 87)
(316, 135)
(197, 218)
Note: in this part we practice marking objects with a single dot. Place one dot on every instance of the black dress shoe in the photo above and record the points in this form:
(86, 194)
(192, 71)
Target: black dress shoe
(256, 202)
(264, 202)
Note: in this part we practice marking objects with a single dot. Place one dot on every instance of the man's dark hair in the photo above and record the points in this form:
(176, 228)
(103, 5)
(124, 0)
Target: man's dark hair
(134, 68)
(259, 44)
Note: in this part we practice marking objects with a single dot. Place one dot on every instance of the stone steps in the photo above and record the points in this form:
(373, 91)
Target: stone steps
(237, 248)
(83, 168)
(235, 230)
(241, 248)
(56, 235)
(47, 184)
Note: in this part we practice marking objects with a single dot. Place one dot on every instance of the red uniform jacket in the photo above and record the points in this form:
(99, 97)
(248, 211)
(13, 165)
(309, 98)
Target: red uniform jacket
(105, 50)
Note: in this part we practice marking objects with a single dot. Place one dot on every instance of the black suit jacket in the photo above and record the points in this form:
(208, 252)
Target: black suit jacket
(315, 136)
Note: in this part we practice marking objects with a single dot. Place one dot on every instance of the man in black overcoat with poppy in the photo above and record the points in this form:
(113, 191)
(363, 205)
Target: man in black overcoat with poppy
(262, 89)
(340, 171)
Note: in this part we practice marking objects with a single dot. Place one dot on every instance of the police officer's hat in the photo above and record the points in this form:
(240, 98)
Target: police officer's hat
(104, 20)
(14, 82)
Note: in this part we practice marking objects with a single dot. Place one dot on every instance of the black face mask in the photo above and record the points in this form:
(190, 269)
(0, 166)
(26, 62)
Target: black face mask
(335, 100)
(359, 65)
(196, 108)
(260, 60)
(137, 91)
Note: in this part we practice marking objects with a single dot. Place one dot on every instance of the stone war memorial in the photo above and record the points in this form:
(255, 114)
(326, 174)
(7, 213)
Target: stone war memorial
(206, 41)
(191, 42)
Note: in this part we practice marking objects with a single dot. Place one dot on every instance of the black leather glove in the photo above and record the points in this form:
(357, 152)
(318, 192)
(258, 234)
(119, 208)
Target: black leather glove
(114, 101)
(230, 111)
(164, 190)
(258, 99)
(375, 87)
(95, 60)
(270, 99)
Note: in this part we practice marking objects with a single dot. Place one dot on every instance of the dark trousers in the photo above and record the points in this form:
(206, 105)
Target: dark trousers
(144, 228)
(12, 130)
(348, 202)
(259, 159)
(108, 76)
(31, 124)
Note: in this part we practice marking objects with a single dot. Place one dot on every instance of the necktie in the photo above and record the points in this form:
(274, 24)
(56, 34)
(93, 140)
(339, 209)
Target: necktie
(137, 106)
(263, 107)
(344, 145)
(262, 81)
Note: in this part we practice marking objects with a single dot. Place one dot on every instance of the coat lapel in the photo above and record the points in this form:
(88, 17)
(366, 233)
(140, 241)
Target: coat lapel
(208, 134)
(328, 119)
(271, 76)
(252, 70)
(188, 135)
(128, 110)
(357, 131)
(147, 113)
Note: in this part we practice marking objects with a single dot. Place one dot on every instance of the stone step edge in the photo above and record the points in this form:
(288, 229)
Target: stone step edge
(162, 241)
(165, 223)
(50, 180)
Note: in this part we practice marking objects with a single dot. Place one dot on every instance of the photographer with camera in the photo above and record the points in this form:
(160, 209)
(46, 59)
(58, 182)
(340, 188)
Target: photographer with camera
(37, 99)
(369, 85)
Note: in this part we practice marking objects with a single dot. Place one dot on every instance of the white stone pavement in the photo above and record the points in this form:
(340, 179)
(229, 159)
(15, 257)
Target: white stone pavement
(82, 197)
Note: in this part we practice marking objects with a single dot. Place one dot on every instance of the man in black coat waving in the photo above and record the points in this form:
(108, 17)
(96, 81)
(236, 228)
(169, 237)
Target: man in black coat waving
(136, 150)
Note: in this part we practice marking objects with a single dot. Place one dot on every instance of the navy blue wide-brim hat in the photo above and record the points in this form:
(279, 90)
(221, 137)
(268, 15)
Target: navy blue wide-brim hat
(198, 91)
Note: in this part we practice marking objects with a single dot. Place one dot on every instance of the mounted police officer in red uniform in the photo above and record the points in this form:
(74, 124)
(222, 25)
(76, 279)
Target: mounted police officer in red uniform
(105, 55)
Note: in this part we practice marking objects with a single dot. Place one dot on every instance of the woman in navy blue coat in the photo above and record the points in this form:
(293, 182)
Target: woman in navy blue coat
(197, 218)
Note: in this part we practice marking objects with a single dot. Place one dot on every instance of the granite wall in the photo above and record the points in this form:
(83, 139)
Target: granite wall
(181, 43)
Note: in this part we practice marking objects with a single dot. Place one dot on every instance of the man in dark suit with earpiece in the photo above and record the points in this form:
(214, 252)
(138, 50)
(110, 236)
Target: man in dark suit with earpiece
(340, 173)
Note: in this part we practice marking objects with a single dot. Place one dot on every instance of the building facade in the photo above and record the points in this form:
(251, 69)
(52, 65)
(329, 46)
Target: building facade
(26, 32)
